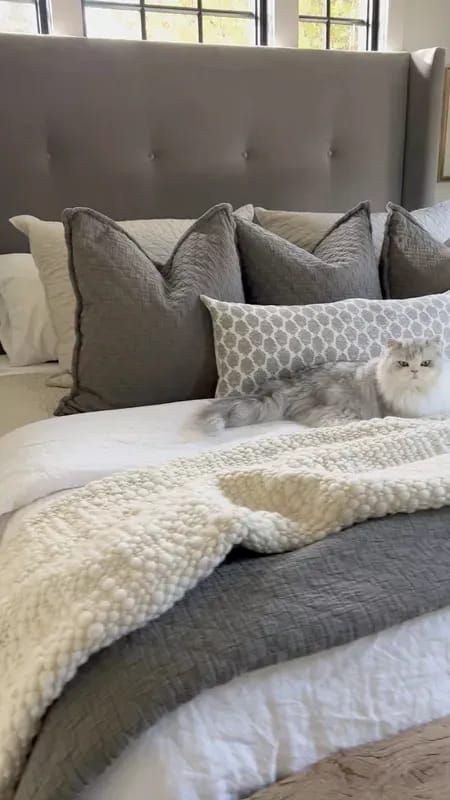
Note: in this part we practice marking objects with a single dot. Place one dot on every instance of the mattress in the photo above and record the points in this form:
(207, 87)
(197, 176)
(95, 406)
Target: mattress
(235, 738)
(24, 394)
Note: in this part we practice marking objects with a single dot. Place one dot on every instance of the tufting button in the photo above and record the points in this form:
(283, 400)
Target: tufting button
(245, 154)
(330, 152)
(152, 156)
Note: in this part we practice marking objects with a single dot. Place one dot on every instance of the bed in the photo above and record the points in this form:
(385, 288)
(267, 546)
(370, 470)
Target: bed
(263, 687)
(26, 395)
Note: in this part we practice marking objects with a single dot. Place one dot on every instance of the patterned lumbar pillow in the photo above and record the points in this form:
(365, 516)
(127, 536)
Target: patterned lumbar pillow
(414, 263)
(256, 343)
(142, 334)
(343, 263)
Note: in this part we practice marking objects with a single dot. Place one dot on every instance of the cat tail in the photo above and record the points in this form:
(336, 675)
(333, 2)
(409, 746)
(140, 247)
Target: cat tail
(234, 412)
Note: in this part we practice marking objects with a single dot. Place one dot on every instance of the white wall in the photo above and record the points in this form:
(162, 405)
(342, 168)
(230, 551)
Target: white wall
(414, 24)
(67, 18)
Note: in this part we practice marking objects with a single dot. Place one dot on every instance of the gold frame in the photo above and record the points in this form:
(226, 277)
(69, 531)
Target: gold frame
(445, 129)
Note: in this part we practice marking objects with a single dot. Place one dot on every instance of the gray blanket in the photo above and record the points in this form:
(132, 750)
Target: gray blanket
(252, 612)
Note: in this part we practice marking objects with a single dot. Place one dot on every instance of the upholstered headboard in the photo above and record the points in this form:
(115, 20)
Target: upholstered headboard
(138, 129)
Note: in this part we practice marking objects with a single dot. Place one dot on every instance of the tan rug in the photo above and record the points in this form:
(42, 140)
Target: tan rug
(415, 765)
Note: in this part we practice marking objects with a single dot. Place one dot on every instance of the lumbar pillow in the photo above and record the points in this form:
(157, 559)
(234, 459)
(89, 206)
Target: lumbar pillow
(256, 343)
(414, 263)
(157, 237)
(306, 229)
(342, 265)
(142, 333)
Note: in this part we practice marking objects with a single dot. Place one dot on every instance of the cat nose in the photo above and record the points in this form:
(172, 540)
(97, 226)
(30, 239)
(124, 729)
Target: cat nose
(414, 371)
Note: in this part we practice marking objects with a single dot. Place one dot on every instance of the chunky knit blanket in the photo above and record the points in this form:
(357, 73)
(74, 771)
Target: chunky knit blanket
(102, 561)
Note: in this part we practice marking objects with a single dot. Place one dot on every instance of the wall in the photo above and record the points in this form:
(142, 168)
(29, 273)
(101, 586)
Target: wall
(414, 24)
(67, 18)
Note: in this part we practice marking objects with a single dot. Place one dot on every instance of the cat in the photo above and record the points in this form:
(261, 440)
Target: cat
(411, 378)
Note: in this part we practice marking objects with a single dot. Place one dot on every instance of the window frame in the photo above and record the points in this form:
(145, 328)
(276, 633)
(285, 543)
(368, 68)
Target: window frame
(42, 12)
(371, 23)
(259, 15)
(43, 16)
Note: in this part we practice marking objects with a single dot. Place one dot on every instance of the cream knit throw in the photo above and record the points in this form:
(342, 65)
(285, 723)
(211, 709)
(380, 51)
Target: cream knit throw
(105, 559)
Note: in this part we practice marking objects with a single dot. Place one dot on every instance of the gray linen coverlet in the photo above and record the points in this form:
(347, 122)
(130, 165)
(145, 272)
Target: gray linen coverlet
(252, 612)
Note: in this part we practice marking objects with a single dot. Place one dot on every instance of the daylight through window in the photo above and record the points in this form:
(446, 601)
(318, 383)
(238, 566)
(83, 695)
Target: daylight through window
(24, 16)
(338, 24)
(241, 22)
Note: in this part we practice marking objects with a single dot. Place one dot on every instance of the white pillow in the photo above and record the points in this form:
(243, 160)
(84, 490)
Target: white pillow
(157, 237)
(26, 332)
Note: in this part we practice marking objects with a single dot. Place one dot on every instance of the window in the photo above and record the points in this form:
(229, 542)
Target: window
(211, 21)
(338, 24)
(24, 16)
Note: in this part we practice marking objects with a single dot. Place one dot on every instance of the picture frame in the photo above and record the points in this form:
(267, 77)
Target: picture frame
(444, 149)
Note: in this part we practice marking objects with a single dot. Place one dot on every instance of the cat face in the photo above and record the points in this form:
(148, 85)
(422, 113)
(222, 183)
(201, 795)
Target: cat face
(413, 364)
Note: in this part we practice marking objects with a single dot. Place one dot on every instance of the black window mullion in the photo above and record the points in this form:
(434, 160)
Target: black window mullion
(200, 21)
(262, 22)
(328, 28)
(42, 14)
(143, 20)
(375, 26)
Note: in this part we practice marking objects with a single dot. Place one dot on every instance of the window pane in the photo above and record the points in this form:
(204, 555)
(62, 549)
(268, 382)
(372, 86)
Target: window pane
(172, 27)
(226, 30)
(347, 37)
(312, 8)
(352, 9)
(176, 3)
(18, 17)
(230, 5)
(113, 23)
(312, 35)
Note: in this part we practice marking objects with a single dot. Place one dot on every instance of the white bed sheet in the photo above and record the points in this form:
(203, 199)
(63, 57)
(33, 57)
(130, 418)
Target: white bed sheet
(24, 394)
(233, 739)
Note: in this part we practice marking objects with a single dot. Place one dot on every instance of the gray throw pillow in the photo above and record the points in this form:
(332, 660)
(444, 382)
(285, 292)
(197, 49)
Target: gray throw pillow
(307, 228)
(342, 265)
(142, 334)
(413, 262)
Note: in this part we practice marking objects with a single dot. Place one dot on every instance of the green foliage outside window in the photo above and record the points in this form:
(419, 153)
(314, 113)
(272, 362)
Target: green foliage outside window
(312, 34)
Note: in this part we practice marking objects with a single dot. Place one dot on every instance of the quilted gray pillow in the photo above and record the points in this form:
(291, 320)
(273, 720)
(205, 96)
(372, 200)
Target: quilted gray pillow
(256, 343)
(307, 228)
(414, 263)
(142, 334)
(342, 265)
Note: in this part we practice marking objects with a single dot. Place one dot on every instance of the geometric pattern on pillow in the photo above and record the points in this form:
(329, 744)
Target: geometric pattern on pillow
(256, 343)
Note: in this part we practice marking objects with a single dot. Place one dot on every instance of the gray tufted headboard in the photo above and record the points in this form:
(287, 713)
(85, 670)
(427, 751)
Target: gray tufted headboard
(136, 129)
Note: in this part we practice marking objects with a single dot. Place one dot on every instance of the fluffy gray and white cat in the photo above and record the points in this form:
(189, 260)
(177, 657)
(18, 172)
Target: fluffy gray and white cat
(411, 378)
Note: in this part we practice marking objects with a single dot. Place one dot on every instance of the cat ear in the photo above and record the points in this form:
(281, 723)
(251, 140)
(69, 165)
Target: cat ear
(391, 343)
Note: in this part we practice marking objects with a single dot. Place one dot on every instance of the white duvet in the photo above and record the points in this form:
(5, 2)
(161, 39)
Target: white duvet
(236, 738)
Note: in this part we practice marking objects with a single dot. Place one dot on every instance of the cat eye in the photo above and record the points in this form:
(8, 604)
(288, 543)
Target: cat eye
(403, 363)
(425, 363)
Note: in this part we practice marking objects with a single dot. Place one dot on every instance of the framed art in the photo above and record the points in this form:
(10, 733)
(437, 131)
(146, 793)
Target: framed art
(444, 150)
